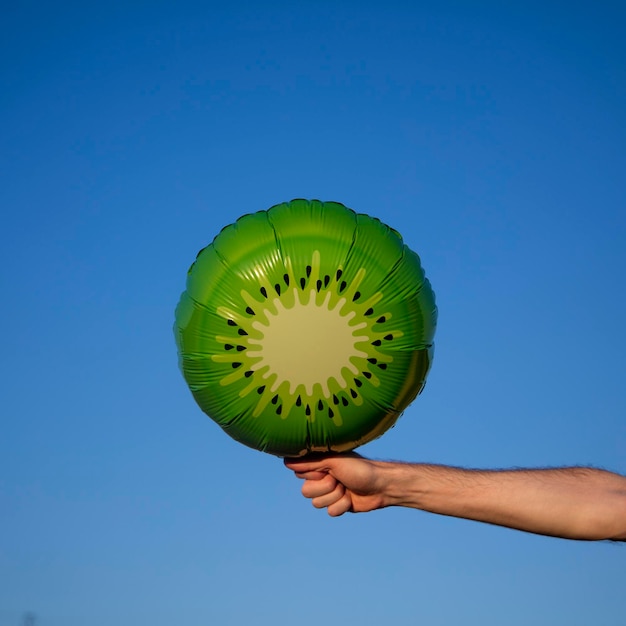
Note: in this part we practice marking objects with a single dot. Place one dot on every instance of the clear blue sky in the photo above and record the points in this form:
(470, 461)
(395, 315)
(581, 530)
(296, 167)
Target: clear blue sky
(492, 135)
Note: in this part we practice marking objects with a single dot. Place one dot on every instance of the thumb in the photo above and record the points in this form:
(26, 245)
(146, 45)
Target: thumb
(308, 470)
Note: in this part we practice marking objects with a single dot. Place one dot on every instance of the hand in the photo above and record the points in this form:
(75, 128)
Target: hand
(341, 482)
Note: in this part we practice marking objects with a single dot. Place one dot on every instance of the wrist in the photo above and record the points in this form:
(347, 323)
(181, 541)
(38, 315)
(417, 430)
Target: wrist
(400, 484)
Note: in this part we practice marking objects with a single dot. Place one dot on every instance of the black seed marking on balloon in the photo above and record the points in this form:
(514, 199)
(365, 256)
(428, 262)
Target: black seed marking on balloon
(248, 373)
(236, 364)
(383, 366)
(286, 279)
(241, 348)
(228, 347)
(331, 414)
(356, 296)
(261, 389)
(388, 337)
(381, 320)
(319, 285)
(308, 410)
(326, 280)
(372, 361)
(242, 332)
(320, 405)
(249, 311)
(275, 399)
(335, 399)
(298, 401)
(277, 288)
(263, 292)
(344, 401)
(358, 382)
(302, 282)
(232, 323)
(377, 342)
(279, 410)
(339, 273)
(308, 271)
(343, 285)
(353, 393)
(368, 312)
(367, 375)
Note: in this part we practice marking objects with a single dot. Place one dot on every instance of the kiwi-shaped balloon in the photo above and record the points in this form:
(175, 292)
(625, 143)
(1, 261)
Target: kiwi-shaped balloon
(306, 328)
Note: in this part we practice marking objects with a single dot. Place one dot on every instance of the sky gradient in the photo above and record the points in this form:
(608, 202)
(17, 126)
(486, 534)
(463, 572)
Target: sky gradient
(492, 137)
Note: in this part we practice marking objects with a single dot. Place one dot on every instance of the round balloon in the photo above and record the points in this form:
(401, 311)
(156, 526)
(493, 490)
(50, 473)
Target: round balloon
(306, 328)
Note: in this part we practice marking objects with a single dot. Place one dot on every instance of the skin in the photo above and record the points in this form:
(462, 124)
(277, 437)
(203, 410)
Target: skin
(573, 502)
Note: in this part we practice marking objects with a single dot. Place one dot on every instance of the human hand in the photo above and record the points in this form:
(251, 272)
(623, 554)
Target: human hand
(341, 483)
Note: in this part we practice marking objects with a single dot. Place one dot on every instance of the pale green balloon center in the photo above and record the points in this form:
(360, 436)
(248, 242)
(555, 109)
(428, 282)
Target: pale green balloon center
(308, 343)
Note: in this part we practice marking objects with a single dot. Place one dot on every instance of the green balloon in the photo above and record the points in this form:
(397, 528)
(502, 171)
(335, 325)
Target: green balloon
(306, 328)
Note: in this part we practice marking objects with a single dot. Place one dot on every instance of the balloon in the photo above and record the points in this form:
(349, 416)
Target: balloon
(306, 328)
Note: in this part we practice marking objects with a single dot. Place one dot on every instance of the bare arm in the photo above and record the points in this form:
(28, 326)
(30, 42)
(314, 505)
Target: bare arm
(574, 503)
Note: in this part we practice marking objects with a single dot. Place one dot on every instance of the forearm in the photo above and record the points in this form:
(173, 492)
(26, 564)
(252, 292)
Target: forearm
(576, 503)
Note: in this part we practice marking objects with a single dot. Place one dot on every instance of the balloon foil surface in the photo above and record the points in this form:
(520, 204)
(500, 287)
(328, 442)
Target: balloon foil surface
(306, 328)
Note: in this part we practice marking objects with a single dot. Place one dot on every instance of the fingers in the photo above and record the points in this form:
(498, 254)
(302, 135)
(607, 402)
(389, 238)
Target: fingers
(329, 499)
(327, 493)
(320, 487)
(341, 506)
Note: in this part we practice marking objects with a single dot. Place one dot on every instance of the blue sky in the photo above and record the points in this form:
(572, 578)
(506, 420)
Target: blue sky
(491, 135)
